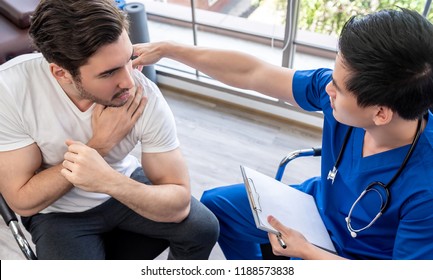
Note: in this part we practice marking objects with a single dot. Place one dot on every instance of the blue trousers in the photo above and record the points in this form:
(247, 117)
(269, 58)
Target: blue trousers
(239, 237)
(79, 236)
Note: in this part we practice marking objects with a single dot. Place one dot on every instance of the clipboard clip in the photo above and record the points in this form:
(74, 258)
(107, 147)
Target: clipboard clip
(256, 204)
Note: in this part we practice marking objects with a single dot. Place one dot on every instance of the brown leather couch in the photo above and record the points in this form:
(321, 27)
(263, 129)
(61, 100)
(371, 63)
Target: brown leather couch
(14, 24)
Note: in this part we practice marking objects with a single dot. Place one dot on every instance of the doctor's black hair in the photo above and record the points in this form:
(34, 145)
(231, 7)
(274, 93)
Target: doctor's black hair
(389, 55)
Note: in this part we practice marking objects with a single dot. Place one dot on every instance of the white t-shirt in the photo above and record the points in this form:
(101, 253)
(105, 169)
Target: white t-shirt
(35, 109)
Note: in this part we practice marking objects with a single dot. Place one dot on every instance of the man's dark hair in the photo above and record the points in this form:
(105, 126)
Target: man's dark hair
(389, 55)
(69, 32)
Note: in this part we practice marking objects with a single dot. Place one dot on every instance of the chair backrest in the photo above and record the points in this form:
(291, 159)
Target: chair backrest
(311, 152)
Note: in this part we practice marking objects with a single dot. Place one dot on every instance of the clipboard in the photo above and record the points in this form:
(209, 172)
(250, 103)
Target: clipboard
(292, 207)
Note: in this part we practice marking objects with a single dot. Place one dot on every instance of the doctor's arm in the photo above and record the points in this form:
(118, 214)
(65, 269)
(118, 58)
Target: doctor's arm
(233, 68)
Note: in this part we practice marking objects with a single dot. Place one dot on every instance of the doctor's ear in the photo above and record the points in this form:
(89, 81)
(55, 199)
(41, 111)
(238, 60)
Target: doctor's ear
(383, 115)
(60, 74)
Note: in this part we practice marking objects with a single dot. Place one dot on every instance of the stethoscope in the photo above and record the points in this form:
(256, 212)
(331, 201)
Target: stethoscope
(372, 186)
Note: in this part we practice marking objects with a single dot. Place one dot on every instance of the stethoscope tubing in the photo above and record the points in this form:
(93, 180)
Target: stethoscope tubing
(384, 203)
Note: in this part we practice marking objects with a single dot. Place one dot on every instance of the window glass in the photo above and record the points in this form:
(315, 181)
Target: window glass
(328, 17)
(253, 26)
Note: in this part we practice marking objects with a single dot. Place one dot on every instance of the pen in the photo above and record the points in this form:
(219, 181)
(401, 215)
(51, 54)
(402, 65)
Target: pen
(281, 241)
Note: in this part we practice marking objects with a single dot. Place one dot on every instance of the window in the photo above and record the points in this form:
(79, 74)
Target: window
(292, 33)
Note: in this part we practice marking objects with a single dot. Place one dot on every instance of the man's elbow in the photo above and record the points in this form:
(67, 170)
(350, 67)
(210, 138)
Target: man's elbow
(182, 207)
(24, 208)
(182, 214)
(24, 211)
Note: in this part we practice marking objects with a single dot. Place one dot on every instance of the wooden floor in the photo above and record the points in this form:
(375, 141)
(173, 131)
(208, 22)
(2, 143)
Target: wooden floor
(215, 139)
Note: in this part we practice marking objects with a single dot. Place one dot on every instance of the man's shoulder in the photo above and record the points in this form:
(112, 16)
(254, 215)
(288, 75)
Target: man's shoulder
(20, 60)
(151, 91)
(24, 71)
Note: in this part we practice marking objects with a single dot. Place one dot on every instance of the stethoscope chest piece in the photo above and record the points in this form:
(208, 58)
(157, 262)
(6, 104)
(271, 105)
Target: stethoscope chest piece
(349, 227)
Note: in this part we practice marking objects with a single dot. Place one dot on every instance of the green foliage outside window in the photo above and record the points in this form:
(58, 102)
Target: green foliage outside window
(328, 17)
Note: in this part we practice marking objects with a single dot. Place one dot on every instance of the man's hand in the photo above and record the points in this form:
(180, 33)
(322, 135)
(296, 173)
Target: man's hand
(85, 168)
(111, 124)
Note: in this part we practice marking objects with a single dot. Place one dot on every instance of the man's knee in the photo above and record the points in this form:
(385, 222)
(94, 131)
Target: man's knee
(203, 221)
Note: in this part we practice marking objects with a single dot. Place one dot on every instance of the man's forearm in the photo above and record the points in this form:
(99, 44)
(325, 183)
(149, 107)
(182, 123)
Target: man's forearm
(42, 190)
(161, 203)
(48, 185)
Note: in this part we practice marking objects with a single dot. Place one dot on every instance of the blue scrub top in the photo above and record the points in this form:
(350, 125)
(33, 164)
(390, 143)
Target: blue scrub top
(405, 230)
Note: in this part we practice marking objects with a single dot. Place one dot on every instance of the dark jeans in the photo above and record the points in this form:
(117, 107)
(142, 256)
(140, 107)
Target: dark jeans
(81, 235)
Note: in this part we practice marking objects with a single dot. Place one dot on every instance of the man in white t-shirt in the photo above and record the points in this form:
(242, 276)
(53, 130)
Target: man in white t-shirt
(69, 118)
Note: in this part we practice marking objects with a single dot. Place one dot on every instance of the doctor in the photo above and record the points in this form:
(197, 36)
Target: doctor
(375, 193)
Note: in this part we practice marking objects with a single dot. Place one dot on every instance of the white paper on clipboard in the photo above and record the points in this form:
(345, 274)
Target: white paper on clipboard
(293, 208)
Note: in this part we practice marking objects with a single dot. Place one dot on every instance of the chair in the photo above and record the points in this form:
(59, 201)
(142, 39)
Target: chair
(11, 221)
(314, 152)
(119, 245)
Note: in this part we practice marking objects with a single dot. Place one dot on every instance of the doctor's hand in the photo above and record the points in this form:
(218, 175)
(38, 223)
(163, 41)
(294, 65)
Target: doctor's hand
(294, 240)
(146, 54)
(296, 244)
(86, 169)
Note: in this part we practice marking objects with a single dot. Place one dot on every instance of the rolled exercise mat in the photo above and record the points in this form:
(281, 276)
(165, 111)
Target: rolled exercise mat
(139, 33)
